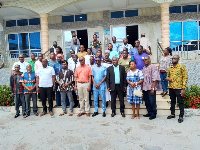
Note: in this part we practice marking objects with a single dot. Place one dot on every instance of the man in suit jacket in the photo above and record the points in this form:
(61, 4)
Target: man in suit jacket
(116, 84)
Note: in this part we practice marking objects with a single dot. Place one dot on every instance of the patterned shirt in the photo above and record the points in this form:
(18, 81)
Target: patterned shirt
(32, 63)
(57, 67)
(128, 46)
(165, 62)
(16, 86)
(151, 74)
(52, 63)
(179, 76)
(98, 44)
(29, 79)
(116, 47)
(65, 76)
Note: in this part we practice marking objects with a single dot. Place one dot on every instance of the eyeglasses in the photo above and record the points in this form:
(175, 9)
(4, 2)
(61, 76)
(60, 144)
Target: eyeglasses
(137, 42)
(80, 60)
(174, 58)
(145, 59)
(21, 57)
(98, 60)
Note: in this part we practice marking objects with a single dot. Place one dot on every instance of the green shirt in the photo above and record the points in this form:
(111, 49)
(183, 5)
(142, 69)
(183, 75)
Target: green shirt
(117, 75)
(32, 63)
(125, 63)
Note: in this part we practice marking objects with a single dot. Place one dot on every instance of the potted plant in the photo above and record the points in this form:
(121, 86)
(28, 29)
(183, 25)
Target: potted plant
(6, 98)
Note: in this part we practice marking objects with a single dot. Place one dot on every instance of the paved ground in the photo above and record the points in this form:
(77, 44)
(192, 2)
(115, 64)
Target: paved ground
(72, 133)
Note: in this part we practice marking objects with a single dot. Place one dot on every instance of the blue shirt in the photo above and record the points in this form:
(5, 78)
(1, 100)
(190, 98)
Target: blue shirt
(115, 47)
(99, 73)
(57, 67)
(52, 63)
(117, 75)
(133, 52)
(139, 60)
(29, 79)
(113, 53)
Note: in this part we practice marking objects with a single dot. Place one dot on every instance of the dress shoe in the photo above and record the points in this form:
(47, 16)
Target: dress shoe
(123, 114)
(17, 115)
(152, 117)
(147, 115)
(88, 114)
(164, 94)
(94, 114)
(80, 114)
(113, 114)
(171, 116)
(104, 114)
(51, 113)
(42, 114)
(180, 120)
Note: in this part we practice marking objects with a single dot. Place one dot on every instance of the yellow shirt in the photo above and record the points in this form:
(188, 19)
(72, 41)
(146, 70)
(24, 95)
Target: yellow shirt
(178, 75)
(81, 54)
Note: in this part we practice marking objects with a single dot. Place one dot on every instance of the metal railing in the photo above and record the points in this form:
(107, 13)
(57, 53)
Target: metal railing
(159, 51)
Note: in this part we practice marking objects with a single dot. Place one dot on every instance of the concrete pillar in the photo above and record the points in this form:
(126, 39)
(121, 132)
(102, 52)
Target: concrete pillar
(45, 32)
(165, 24)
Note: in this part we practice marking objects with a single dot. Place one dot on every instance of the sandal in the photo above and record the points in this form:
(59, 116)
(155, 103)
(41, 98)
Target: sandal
(137, 117)
(70, 114)
(25, 116)
(42, 114)
(36, 114)
(133, 117)
(62, 114)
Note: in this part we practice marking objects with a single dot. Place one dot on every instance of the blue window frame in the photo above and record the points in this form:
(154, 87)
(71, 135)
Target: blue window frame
(82, 17)
(175, 9)
(35, 21)
(23, 22)
(35, 40)
(11, 23)
(67, 18)
(131, 13)
(117, 14)
(190, 8)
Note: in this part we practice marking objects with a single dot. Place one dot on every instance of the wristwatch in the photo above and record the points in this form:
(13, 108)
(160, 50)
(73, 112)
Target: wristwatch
(152, 88)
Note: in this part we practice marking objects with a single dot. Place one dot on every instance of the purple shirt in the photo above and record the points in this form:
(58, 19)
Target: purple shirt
(139, 60)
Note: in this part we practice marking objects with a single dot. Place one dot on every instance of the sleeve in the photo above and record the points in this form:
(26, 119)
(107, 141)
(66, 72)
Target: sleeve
(184, 76)
(105, 71)
(155, 74)
(90, 71)
(141, 76)
(38, 72)
(35, 67)
(52, 71)
(22, 78)
(116, 54)
(127, 77)
(76, 73)
(168, 73)
(13, 67)
(125, 82)
(11, 84)
(108, 78)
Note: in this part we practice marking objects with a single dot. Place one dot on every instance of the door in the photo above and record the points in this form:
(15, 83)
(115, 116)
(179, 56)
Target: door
(132, 34)
(82, 35)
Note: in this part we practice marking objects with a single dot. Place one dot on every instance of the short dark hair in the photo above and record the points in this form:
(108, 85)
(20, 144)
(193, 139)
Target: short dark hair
(60, 49)
(64, 61)
(133, 62)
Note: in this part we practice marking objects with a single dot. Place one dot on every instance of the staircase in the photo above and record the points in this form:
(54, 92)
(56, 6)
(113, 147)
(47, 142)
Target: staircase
(163, 107)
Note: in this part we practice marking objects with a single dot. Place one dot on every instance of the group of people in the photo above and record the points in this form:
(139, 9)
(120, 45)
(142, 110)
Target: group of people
(119, 73)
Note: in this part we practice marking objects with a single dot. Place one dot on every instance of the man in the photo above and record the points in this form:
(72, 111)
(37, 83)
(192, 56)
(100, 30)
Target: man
(177, 77)
(90, 93)
(52, 60)
(126, 45)
(70, 60)
(82, 53)
(74, 37)
(98, 42)
(116, 84)
(150, 85)
(32, 62)
(75, 47)
(72, 66)
(53, 48)
(22, 64)
(38, 63)
(116, 46)
(99, 76)
(145, 42)
(112, 53)
(106, 59)
(83, 75)
(65, 79)
(95, 48)
(17, 90)
(28, 80)
(87, 57)
(99, 54)
(46, 81)
(139, 58)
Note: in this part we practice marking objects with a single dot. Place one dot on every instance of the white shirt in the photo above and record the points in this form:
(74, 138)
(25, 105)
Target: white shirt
(145, 42)
(72, 66)
(38, 64)
(128, 46)
(70, 60)
(45, 76)
(22, 66)
(87, 59)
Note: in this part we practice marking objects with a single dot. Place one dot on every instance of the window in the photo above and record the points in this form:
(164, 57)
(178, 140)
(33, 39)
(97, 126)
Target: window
(23, 41)
(190, 8)
(35, 21)
(67, 18)
(176, 35)
(131, 13)
(190, 30)
(23, 22)
(82, 17)
(117, 14)
(11, 23)
(13, 41)
(35, 40)
(175, 9)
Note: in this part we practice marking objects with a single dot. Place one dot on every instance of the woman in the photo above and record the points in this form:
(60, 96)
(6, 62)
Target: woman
(125, 60)
(134, 79)
(59, 51)
(164, 63)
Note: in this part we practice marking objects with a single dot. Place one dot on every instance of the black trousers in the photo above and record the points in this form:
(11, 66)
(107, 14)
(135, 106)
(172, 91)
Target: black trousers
(46, 92)
(120, 92)
(75, 98)
(175, 93)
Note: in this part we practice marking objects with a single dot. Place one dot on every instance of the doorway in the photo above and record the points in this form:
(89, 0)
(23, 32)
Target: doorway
(132, 34)
(82, 35)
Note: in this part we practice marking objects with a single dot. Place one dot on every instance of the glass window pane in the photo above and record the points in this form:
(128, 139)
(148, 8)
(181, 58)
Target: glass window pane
(68, 37)
(11, 23)
(175, 9)
(82, 17)
(67, 18)
(199, 30)
(23, 22)
(176, 31)
(131, 13)
(35, 21)
(23, 41)
(119, 32)
(35, 40)
(13, 41)
(117, 14)
(190, 30)
(190, 8)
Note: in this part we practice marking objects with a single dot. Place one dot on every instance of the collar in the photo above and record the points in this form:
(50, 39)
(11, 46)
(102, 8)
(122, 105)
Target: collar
(178, 65)
(116, 67)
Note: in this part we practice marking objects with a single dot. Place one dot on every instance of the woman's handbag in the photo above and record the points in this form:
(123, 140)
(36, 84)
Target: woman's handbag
(138, 92)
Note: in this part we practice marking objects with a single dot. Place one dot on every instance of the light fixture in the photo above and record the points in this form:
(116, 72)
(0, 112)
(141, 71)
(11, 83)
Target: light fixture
(81, 17)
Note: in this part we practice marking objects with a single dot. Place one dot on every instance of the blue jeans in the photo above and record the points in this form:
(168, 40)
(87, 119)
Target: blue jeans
(96, 94)
(150, 102)
(58, 98)
(164, 81)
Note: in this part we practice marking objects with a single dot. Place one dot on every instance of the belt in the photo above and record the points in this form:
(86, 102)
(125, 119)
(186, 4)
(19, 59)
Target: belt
(83, 82)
